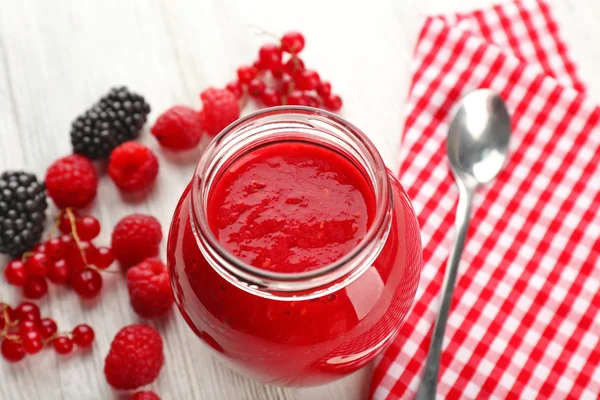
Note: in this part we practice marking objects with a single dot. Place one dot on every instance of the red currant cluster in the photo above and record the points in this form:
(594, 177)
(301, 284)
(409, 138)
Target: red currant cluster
(23, 331)
(70, 258)
(290, 81)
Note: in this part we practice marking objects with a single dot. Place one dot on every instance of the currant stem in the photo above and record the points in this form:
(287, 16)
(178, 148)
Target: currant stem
(7, 323)
(13, 338)
(54, 227)
(243, 101)
(261, 31)
(26, 256)
(50, 338)
(95, 268)
(76, 236)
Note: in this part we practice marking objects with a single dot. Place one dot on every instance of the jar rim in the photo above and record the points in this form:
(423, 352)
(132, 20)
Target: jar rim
(270, 283)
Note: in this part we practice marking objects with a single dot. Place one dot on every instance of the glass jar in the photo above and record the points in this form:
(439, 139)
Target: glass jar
(301, 328)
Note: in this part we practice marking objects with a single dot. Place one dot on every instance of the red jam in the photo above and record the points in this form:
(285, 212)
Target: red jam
(293, 207)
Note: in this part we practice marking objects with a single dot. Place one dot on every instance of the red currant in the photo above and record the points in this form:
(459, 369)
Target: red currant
(11, 350)
(32, 342)
(64, 222)
(307, 80)
(292, 42)
(235, 87)
(39, 248)
(74, 259)
(27, 311)
(256, 88)
(59, 272)
(83, 335)
(246, 73)
(324, 89)
(27, 326)
(257, 64)
(87, 283)
(104, 258)
(16, 273)
(66, 240)
(277, 73)
(333, 102)
(36, 287)
(269, 56)
(62, 345)
(294, 66)
(296, 98)
(312, 101)
(87, 228)
(55, 249)
(271, 98)
(287, 85)
(37, 264)
(48, 327)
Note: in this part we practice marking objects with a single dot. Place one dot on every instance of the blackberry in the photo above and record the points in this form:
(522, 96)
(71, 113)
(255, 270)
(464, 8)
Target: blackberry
(22, 211)
(114, 119)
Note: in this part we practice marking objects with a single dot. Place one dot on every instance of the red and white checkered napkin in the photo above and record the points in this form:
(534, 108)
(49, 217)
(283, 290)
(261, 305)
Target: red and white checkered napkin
(525, 320)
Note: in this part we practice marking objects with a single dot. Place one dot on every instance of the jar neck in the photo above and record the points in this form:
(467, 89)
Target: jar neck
(284, 124)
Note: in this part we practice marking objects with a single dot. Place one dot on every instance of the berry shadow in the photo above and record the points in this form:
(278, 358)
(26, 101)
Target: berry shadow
(163, 323)
(109, 284)
(185, 158)
(139, 196)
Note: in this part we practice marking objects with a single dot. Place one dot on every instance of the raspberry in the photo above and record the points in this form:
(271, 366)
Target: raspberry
(132, 166)
(220, 109)
(135, 238)
(149, 288)
(135, 357)
(178, 128)
(149, 395)
(71, 181)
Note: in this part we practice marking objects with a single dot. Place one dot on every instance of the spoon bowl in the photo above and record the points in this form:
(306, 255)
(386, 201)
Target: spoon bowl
(477, 143)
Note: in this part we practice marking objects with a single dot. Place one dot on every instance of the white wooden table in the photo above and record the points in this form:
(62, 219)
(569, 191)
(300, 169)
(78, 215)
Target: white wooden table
(57, 57)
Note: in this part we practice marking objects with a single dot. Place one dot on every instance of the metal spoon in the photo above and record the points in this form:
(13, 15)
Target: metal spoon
(477, 147)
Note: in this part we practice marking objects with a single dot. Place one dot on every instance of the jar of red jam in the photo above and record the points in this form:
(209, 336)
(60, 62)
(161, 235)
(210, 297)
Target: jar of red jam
(294, 253)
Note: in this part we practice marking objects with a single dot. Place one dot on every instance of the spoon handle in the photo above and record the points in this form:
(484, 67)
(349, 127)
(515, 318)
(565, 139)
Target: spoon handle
(428, 384)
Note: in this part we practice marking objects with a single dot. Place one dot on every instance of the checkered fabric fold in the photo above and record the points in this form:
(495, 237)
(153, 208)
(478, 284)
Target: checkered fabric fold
(525, 320)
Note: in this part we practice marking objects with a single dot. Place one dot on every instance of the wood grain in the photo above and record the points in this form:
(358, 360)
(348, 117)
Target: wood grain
(58, 57)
